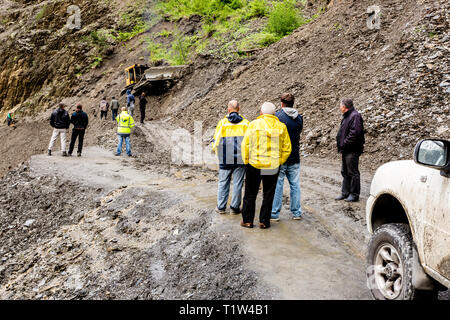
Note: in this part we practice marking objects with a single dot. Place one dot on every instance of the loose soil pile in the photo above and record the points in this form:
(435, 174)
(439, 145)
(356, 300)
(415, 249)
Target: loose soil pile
(61, 240)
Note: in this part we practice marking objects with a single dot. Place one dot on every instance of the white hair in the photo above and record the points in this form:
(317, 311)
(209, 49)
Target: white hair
(268, 108)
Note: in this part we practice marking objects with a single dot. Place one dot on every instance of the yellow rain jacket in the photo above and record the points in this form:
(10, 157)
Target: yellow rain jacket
(228, 139)
(126, 122)
(266, 144)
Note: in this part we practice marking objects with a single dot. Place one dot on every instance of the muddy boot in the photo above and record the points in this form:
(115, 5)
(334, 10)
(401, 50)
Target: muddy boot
(221, 211)
(341, 197)
(235, 211)
(352, 198)
(64, 154)
(49, 152)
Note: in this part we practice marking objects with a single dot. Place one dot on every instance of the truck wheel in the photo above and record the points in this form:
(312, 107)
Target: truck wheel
(389, 264)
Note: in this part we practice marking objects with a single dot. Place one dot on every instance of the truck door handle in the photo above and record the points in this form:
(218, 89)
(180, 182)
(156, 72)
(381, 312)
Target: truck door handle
(423, 179)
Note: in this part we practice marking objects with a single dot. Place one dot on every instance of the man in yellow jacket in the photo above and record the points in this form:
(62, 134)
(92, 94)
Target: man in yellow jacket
(229, 134)
(125, 122)
(266, 146)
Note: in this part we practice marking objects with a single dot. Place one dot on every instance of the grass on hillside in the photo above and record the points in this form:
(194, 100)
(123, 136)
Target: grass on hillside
(229, 27)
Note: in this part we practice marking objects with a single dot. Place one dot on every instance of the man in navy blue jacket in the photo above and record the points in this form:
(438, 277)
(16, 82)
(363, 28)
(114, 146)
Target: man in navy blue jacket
(291, 169)
(350, 142)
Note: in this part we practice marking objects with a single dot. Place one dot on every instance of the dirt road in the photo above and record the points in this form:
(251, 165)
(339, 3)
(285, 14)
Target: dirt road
(292, 260)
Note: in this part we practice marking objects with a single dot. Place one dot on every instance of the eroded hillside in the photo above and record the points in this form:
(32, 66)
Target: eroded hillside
(397, 75)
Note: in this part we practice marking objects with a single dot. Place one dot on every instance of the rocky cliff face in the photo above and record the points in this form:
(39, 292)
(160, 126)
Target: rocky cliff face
(41, 55)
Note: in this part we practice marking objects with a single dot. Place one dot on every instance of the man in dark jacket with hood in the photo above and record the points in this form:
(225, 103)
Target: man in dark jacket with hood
(350, 142)
(291, 169)
(60, 121)
(228, 138)
(80, 122)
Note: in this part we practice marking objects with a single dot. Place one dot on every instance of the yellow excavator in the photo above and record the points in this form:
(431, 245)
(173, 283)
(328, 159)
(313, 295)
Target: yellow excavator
(142, 78)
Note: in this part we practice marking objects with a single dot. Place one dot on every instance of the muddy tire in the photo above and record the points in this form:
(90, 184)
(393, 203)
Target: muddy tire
(389, 264)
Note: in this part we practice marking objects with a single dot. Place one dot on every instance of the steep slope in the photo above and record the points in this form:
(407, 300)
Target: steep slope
(397, 75)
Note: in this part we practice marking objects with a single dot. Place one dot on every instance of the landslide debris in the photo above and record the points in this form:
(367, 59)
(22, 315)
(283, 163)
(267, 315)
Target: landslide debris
(62, 240)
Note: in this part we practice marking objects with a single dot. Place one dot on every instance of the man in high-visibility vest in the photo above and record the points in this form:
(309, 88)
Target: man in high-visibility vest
(125, 122)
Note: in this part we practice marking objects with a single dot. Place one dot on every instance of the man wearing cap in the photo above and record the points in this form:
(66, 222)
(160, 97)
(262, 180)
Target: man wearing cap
(265, 147)
(350, 143)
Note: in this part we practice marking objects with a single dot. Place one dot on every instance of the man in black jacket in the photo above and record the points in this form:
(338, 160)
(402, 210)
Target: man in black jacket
(291, 169)
(142, 106)
(350, 142)
(80, 122)
(60, 121)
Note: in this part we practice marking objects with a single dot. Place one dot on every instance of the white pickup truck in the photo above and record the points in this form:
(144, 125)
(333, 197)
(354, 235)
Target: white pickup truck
(408, 215)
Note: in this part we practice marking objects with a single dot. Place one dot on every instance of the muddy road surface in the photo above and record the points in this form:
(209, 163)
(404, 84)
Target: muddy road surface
(132, 233)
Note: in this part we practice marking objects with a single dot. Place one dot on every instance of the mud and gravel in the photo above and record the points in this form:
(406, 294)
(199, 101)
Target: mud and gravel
(101, 227)
(126, 243)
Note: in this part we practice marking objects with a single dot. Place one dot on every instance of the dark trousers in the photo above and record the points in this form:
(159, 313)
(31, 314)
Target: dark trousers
(142, 114)
(114, 114)
(252, 181)
(80, 134)
(103, 114)
(350, 172)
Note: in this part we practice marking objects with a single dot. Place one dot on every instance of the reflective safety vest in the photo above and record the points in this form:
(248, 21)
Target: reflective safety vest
(126, 122)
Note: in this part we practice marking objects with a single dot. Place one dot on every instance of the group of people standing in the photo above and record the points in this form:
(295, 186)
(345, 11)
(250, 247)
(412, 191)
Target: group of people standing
(60, 120)
(115, 106)
(267, 150)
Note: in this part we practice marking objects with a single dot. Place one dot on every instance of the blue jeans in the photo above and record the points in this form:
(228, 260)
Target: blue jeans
(292, 173)
(224, 187)
(127, 142)
(114, 114)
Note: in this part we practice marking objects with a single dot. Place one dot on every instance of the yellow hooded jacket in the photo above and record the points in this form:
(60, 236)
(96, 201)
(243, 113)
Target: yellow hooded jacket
(266, 144)
(126, 122)
(228, 139)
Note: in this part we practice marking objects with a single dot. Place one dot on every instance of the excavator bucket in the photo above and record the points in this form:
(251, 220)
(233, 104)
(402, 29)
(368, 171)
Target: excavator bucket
(141, 78)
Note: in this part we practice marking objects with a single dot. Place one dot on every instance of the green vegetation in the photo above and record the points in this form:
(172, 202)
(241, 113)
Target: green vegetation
(41, 13)
(164, 33)
(178, 52)
(432, 34)
(96, 62)
(229, 27)
(257, 8)
(257, 40)
(139, 28)
(284, 18)
(224, 28)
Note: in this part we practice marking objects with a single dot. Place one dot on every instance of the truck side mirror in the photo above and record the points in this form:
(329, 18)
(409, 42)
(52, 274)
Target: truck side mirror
(434, 153)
